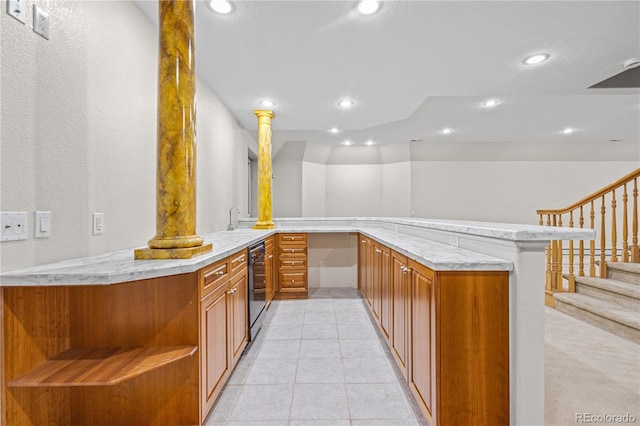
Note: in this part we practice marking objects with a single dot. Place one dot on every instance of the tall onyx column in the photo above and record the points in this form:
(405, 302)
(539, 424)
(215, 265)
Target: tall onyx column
(264, 169)
(176, 168)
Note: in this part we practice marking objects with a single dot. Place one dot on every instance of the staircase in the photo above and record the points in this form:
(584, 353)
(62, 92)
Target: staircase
(611, 303)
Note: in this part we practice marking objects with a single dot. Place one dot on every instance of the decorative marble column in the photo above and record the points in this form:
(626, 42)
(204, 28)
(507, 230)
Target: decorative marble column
(264, 169)
(176, 163)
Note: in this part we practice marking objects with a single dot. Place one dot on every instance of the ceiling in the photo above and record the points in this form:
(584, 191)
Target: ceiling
(416, 67)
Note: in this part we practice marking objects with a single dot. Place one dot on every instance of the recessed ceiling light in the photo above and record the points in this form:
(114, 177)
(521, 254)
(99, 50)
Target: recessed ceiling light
(367, 7)
(220, 6)
(267, 103)
(490, 103)
(345, 103)
(369, 142)
(536, 59)
(347, 142)
(568, 131)
(446, 131)
(334, 130)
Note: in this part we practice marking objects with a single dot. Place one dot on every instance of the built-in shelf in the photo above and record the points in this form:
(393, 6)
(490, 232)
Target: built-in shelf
(100, 366)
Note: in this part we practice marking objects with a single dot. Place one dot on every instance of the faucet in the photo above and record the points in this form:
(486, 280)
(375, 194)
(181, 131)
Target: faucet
(233, 225)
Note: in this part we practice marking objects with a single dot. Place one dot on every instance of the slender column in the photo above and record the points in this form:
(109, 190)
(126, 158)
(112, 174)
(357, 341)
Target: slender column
(176, 163)
(264, 169)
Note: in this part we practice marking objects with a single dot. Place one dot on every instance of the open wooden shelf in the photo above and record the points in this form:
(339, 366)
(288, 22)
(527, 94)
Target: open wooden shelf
(100, 366)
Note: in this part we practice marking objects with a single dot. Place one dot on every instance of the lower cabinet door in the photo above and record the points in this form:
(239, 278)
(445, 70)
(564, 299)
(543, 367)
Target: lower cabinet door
(239, 314)
(401, 308)
(422, 374)
(215, 360)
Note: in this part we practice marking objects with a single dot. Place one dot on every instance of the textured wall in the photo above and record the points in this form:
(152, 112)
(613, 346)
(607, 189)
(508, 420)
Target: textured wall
(78, 133)
(399, 183)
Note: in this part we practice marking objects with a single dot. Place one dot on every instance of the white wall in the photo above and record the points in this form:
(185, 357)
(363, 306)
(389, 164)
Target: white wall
(287, 189)
(505, 191)
(393, 181)
(354, 190)
(314, 189)
(78, 133)
(396, 189)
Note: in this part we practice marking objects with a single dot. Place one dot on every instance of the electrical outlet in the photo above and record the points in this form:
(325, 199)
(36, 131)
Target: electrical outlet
(98, 223)
(40, 22)
(453, 240)
(322, 264)
(17, 9)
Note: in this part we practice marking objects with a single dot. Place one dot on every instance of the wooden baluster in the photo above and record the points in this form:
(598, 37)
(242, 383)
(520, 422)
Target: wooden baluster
(635, 250)
(581, 259)
(556, 265)
(559, 243)
(625, 226)
(592, 245)
(603, 239)
(547, 253)
(572, 278)
(614, 228)
(541, 220)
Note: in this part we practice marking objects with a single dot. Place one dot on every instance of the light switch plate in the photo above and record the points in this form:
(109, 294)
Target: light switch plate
(42, 225)
(13, 226)
(17, 9)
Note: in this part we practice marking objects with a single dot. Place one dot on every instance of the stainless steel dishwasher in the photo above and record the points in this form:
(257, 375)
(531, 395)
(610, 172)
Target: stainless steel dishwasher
(257, 291)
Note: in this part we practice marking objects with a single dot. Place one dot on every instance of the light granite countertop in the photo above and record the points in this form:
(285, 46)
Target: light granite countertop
(120, 266)
(503, 231)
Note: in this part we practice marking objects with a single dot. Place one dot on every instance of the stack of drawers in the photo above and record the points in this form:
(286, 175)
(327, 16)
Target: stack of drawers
(292, 262)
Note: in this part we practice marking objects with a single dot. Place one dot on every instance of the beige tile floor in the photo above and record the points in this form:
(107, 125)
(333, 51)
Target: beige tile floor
(321, 362)
(317, 362)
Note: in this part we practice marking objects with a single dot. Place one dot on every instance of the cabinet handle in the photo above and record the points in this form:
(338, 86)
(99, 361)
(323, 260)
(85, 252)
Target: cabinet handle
(220, 273)
(378, 251)
(241, 259)
(404, 269)
(363, 241)
(270, 256)
(232, 291)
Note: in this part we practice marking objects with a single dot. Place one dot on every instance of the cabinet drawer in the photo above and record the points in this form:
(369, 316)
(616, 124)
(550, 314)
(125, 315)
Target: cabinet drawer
(293, 263)
(291, 250)
(269, 242)
(213, 276)
(288, 238)
(238, 262)
(293, 280)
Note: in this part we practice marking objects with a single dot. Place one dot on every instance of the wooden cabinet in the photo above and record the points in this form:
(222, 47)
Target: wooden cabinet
(239, 315)
(102, 354)
(292, 266)
(224, 323)
(401, 304)
(216, 363)
(459, 369)
(365, 268)
(422, 372)
(381, 287)
(448, 332)
(269, 269)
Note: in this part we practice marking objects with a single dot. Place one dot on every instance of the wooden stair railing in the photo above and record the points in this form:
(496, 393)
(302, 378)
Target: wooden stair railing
(607, 228)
